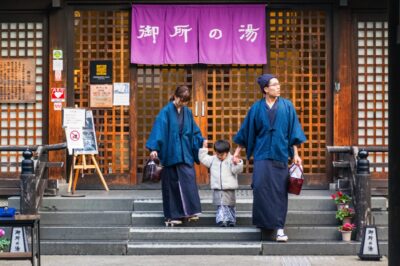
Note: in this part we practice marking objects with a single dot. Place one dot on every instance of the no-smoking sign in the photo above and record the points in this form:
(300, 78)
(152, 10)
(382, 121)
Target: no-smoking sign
(75, 135)
(57, 94)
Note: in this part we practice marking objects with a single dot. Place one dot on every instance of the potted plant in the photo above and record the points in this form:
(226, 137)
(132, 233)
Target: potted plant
(341, 199)
(4, 242)
(346, 230)
(345, 214)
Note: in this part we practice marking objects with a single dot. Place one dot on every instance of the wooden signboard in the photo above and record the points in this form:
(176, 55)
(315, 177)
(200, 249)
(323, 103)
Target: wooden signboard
(17, 80)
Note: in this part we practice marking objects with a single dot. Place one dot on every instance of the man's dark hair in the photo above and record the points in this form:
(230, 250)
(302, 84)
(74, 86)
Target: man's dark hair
(222, 146)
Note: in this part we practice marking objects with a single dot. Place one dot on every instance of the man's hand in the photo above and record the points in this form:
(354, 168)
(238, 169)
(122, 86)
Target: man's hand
(205, 143)
(236, 155)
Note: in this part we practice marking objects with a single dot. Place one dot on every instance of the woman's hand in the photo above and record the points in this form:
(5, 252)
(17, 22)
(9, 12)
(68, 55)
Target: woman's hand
(296, 159)
(153, 155)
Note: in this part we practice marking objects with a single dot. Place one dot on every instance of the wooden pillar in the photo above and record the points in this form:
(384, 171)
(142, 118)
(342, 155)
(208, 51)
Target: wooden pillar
(57, 41)
(394, 132)
(342, 109)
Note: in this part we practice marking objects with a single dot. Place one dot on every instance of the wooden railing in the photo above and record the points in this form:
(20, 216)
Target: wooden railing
(351, 164)
(34, 176)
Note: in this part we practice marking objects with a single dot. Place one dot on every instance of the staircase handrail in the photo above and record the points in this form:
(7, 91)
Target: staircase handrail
(34, 173)
(360, 180)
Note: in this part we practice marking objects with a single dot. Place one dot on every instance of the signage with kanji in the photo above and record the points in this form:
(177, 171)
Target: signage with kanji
(17, 80)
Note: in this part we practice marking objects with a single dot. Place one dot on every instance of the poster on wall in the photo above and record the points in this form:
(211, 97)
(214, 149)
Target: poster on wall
(101, 72)
(121, 94)
(17, 80)
(88, 136)
(101, 96)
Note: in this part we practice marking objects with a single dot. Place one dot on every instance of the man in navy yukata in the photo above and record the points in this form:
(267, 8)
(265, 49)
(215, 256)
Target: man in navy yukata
(270, 133)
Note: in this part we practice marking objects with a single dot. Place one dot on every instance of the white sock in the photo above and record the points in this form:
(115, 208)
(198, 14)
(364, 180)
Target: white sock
(280, 232)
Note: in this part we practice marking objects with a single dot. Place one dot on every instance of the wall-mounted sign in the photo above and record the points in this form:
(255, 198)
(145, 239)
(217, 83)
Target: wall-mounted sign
(57, 54)
(58, 94)
(121, 94)
(57, 65)
(17, 80)
(101, 72)
(101, 95)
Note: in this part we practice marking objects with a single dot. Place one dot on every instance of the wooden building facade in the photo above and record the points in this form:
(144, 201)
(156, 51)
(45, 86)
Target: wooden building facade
(331, 58)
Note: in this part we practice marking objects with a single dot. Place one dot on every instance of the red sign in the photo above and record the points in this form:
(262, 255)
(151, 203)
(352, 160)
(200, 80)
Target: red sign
(57, 94)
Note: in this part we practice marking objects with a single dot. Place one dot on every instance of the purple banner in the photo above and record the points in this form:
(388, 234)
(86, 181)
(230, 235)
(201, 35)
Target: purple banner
(249, 38)
(147, 40)
(191, 34)
(181, 35)
(215, 35)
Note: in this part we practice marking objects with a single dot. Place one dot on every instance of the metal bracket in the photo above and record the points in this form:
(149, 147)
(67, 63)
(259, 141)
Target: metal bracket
(337, 87)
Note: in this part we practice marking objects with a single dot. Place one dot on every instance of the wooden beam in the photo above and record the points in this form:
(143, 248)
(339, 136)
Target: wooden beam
(394, 132)
(342, 117)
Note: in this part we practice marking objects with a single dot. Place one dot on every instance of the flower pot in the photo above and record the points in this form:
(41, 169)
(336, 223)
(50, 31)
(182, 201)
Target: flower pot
(340, 206)
(346, 236)
(347, 220)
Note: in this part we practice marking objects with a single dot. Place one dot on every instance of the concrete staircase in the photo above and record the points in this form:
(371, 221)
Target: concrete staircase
(131, 222)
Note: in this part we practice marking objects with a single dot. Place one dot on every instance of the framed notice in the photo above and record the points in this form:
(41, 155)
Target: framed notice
(17, 80)
(101, 95)
(88, 136)
(101, 72)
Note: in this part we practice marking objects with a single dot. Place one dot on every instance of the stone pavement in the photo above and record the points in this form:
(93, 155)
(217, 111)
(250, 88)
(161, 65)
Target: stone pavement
(199, 260)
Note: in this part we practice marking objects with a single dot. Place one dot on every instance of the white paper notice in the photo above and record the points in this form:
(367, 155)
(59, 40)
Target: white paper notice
(121, 94)
(74, 117)
(74, 138)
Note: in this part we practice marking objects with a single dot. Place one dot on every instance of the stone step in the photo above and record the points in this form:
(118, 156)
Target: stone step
(86, 247)
(319, 201)
(309, 218)
(196, 234)
(84, 233)
(310, 203)
(87, 218)
(303, 248)
(80, 204)
(322, 248)
(194, 248)
(315, 203)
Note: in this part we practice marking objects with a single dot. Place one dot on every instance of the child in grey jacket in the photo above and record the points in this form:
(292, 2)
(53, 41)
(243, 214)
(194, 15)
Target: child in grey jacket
(223, 180)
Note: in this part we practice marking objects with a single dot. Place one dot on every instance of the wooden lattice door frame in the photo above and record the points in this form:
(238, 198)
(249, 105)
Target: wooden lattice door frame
(24, 36)
(102, 33)
(313, 70)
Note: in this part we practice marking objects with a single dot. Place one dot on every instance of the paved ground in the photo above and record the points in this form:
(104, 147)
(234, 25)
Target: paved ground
(199, 260)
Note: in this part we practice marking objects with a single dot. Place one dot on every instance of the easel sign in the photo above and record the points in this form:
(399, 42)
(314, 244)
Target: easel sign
(88, 146)
(88, 136)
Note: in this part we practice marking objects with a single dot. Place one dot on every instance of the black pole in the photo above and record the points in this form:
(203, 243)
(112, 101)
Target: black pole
(394, 132)
(363, 195)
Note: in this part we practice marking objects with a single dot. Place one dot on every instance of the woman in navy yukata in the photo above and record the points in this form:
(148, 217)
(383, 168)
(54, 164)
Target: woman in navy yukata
(176, 139)
(270, 132)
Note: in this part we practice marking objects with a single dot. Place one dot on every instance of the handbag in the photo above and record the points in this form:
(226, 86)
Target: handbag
(152, 171)
(296, 179)
(7, 212)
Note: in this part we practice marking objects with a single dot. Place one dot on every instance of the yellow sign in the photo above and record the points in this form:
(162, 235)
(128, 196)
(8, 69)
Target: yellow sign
(101, 70)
